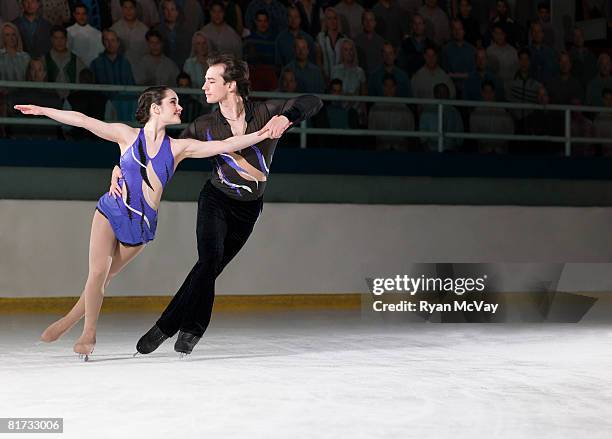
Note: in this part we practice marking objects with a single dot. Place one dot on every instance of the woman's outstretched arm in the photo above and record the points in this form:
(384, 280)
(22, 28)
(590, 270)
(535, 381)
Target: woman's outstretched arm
(113, 132)
(197, 149)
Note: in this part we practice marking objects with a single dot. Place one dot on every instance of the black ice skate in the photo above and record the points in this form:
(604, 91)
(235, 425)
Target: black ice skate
(150, 341)
(185, 343)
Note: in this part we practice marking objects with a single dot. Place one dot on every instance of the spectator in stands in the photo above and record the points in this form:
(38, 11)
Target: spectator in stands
(451, 121)
(259, 52)
(353, 77)
(347, 69)
(310, 16)
(155, 68)
(259, 46)
(487, 120)
(470, 24)
(47, 97)
(13, 60)
(220, 34)
(339, 115)
(524, 88)
(603, 123)
(600, 82)
(37, 72)
(502, 18)
(196, 65)
(565, 88)
(56, 12)
(131, 32)
(288, 82)
(98, 13)
(544, 60)
(369, 44)
(192, 104)
(13, 63)
(191, 15)
(349, 13)
(89, 102)
(9, 10)
(146, 11)
(391, 22)
(411, 56)
(34, 29)
(550, 38)
(583, 61)
(328, 40)
(436, 22)
(83, 39)
(472, 88)
(233, 16)
(544, 122)
(391, 116)
(111, 61)
(402, 84)
(309, 76)
(110, 67)
(502, 58)
(177, 42)
(284, 44)
(430, 75)
(458, 56)
(277, 14)
(582, 126)
(62, 65)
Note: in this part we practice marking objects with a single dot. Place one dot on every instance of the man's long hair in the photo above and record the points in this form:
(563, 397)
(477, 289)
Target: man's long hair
(235, 70)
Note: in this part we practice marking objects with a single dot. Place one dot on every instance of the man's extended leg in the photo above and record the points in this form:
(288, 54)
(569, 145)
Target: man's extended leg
(240, 220)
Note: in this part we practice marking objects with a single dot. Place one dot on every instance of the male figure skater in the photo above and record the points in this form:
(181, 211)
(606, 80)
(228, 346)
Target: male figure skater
(231, 201)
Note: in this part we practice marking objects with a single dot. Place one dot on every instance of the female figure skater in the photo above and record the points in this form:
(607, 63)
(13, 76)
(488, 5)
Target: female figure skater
(122, 226)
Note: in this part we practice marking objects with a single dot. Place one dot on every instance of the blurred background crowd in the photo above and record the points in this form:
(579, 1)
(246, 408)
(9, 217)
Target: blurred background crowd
(477, 50)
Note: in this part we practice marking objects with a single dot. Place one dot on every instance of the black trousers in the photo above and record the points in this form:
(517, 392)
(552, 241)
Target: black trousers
(223, 226)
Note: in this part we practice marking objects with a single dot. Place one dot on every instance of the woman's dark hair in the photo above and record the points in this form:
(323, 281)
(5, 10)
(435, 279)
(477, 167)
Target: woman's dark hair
(152, 95)
(234, 70)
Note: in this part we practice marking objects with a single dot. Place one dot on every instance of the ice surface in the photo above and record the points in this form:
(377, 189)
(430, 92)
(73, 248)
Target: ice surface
(314, 375)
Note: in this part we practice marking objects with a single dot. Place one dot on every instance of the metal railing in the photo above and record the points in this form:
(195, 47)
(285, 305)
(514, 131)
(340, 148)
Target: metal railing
(567, 139)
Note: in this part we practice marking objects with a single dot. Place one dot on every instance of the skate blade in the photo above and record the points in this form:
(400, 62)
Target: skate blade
(84, 357)
(135, 354)
(183, 356)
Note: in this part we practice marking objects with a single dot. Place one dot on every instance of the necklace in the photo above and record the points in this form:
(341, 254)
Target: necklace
(237, 117)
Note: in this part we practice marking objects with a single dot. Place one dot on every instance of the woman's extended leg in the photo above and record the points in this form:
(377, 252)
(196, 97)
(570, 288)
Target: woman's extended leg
(121, 257)
(102, 245)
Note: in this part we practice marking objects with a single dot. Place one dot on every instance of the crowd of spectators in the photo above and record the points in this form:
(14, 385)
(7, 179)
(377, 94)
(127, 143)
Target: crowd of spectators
(480, 50)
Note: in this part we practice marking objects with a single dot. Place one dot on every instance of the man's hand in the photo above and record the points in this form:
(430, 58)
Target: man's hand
(115, 189)
(277, 126)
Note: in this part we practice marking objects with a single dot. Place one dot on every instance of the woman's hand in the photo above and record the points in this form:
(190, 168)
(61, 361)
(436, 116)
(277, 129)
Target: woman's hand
(33, 110)
(264, 132)
(277, 125)
(115, 188)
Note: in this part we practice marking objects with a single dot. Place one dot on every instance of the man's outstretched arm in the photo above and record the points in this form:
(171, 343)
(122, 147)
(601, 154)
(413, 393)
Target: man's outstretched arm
(296, 109)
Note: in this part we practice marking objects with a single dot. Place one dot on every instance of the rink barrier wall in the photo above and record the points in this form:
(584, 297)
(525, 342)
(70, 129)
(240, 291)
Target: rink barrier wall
(308, 248)
(272, 302)
(41, 183)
